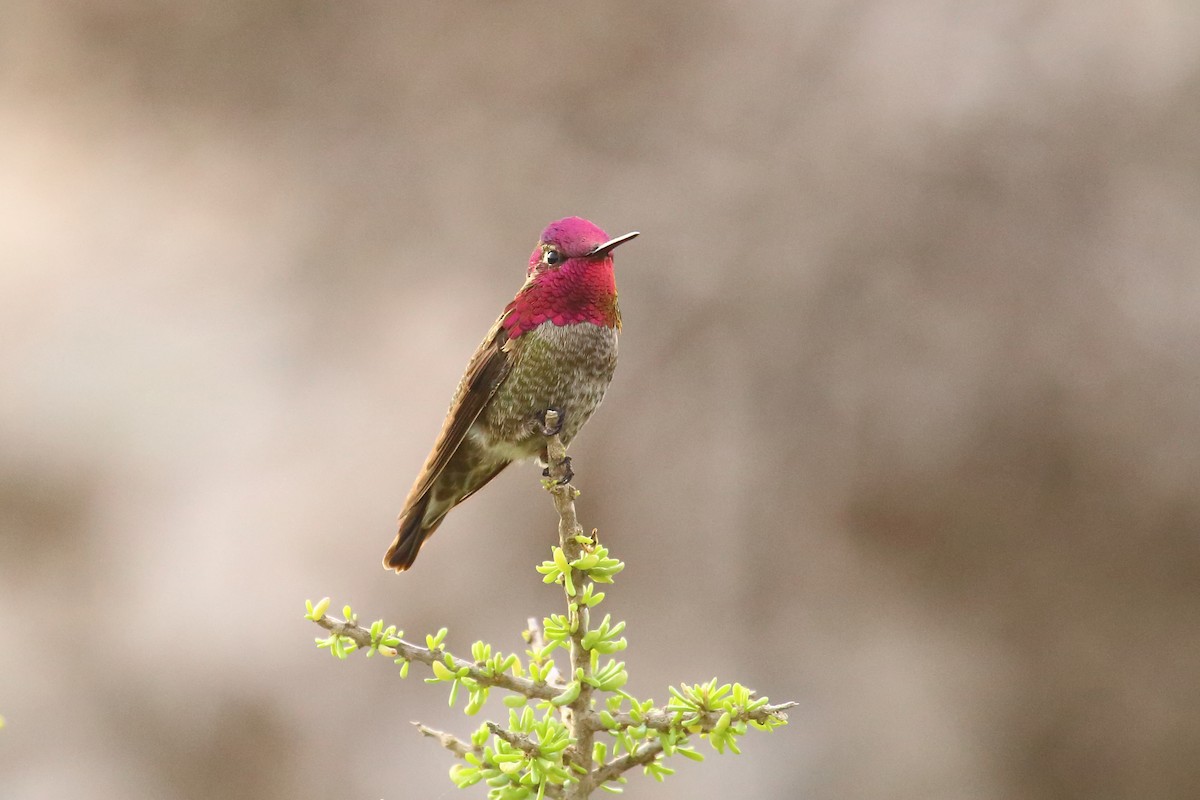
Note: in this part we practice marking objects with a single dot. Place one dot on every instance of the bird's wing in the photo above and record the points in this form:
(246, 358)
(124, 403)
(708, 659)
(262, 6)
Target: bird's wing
(487, 369)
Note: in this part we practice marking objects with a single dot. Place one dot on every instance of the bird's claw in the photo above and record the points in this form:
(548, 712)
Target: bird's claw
(563, 467)
(555, 429)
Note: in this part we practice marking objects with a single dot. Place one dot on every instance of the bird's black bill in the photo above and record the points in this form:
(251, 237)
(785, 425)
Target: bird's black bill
(603, 249)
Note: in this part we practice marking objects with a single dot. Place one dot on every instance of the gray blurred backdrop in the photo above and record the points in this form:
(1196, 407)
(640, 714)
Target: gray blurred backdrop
(905, 427)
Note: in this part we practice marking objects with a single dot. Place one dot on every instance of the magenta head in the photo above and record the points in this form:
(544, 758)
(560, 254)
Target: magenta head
(572, 237)
(570, 280)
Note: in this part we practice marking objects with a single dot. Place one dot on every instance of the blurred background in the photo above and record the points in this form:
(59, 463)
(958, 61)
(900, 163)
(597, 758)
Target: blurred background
(905, 428)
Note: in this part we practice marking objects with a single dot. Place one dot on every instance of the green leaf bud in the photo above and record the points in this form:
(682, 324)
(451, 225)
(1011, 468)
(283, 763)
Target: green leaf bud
(320, 608)
(586, 562)
(568, 695)
(615, 682)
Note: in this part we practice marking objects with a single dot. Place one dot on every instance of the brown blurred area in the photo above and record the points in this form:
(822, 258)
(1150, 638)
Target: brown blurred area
(905, 428)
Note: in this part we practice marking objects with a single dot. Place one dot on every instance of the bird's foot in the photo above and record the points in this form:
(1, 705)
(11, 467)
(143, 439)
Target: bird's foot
(552, 422)
(563, 471)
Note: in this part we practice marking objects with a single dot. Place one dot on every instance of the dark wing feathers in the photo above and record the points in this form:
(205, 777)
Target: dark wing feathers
(487, 369)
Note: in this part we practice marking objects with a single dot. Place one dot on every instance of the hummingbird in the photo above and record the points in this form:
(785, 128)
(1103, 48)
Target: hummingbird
(553, 348)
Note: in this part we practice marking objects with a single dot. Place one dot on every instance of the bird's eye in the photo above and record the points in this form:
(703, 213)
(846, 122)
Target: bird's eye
(552, 257)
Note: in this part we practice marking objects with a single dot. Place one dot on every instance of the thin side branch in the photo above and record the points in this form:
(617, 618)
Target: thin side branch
(460, 748)
(517, 740)
(661, 720)
(537, 641)
(523, 686)
(619, 766)
(449, 741)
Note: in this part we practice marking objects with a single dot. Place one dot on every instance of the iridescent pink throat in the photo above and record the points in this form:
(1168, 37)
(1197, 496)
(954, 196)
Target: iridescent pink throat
(581, 290)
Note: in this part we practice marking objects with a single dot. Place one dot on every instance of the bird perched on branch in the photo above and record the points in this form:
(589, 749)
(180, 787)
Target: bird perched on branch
(554, 347)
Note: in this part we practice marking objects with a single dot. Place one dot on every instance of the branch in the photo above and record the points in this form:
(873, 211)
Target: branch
(561, 489)
(517, 740)
(537, 641)
(661, 719)
(461, 748)
(449, 741)
(619, 766)
(564, 494)
(530, 748)
(412, 652)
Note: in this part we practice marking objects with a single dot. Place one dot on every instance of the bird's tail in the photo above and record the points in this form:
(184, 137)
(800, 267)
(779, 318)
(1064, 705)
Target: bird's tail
(412, 534)
(423, 514)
